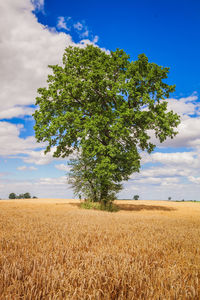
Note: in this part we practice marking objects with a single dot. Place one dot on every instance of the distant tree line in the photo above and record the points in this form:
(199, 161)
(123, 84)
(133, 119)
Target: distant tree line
(20, 196)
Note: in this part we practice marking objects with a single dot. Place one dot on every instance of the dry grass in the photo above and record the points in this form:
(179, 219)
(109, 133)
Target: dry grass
(51, 249)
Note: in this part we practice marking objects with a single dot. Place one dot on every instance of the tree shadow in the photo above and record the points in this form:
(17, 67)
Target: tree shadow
(75, 204)
(136, 207)
(139, 207)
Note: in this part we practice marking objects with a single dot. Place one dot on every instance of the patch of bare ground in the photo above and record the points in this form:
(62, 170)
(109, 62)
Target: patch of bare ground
(50, 249)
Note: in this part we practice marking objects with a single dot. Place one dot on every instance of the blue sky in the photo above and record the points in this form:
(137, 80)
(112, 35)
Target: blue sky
(35, 34)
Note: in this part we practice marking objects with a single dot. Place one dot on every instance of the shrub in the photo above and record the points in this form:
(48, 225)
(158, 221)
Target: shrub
(88, 204)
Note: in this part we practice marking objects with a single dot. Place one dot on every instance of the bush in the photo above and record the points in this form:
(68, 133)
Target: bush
(20, 196)
(12, 196)
(87, 204)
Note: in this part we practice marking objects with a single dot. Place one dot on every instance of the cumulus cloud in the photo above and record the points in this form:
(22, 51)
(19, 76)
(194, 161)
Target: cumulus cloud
(26, 168)
(178, 158)
(79, 26)
(53, 181)
(167, 171)
(11, 143)
(95, 40)
(38, 4)
(188, 130)
(83, 31)
(194, 179)
(13, 146)
(39, 157)
(63, 167)
(26, 49)
(85, 34)
(187, 106)
(16, 111)
(62, 24)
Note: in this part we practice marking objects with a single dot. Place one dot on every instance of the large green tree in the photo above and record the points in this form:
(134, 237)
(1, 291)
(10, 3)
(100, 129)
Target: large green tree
(104, 106)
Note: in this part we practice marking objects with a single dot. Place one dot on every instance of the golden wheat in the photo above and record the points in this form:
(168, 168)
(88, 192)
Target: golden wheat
(54, 250)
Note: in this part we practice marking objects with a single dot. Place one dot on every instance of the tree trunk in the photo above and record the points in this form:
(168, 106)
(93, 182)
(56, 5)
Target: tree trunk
(104, 194)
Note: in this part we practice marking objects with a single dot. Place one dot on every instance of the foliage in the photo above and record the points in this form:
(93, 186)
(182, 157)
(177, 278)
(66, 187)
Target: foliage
(169, 198)
(84, 180)
(12, 196)
(136, 197)
(27, 196)
(20, 196)
(104, 106)
(108, 206)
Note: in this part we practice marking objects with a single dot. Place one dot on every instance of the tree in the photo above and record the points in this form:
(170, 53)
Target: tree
(27, 196)
(169, 198)
(21, 196)
(136, 197)
(104, 106)
(84, 180)
(12, 196)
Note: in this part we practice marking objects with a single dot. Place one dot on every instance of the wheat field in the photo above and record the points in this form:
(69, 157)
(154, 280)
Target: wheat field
(52, 249)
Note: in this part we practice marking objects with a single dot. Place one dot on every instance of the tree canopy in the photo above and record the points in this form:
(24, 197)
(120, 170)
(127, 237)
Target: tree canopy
(104, 106)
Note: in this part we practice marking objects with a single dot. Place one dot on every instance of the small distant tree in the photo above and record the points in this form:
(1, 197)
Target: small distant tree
(27, 196)
(21, 196)
(169, 198)
(34, 197)
(12, 196)
(136, 197)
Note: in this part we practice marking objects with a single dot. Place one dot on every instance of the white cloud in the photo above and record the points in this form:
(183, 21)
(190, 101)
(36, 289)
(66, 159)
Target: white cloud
(194, 179)
(38, 4)
(26, 49)
(24, 168)
(79, 26)
(85, 34)
(95, 40)
(53, 181)
(16, 111)
(11, 143)
(32, 168)
(184, 106)
(188, 130)
(177, 158)
(39, 158)
(62, 24)
(166, 171)
(83, 31)
(63, 167)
